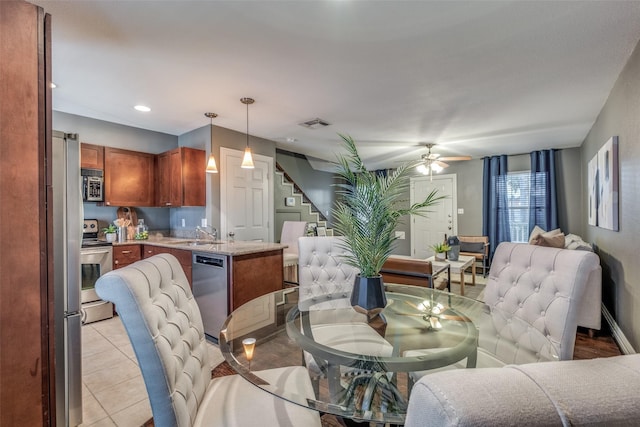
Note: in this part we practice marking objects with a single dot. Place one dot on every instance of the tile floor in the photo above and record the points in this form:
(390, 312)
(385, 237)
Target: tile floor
(113, 391)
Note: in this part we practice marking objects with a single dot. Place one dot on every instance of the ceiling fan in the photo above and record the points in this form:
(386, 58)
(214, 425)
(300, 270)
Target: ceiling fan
(432, 162)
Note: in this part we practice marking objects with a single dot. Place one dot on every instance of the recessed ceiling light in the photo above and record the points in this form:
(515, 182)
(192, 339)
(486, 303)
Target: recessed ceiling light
(53, 85)
(142, 108)
(291, 139)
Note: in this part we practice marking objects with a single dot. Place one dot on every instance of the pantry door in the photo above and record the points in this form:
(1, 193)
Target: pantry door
(441, 219)
(246, 197)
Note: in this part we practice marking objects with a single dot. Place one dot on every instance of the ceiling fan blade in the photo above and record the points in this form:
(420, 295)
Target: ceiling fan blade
(455, 158)
(441, 164)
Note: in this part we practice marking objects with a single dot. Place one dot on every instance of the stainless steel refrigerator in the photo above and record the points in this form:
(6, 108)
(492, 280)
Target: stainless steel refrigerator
(67, 235)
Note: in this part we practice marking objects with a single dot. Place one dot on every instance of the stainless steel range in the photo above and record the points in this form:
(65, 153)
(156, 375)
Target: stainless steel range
(96, 258)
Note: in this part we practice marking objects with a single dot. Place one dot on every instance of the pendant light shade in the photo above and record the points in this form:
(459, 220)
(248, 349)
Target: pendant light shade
(247, 160)
(211, 164)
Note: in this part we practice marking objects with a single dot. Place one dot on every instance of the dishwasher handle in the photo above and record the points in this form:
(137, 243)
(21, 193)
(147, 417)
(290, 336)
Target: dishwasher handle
(208, 260)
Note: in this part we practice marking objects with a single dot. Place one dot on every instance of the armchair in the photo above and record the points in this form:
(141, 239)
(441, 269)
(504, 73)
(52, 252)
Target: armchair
(478, 247)
(164, 324)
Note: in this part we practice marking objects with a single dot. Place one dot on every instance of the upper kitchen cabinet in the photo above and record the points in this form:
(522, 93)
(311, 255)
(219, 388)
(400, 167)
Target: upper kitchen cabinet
(181, 177)
(91, 156)
(129, 178)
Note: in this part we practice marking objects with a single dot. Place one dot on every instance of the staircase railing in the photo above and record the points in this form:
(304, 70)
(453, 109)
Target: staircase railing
(302, 193)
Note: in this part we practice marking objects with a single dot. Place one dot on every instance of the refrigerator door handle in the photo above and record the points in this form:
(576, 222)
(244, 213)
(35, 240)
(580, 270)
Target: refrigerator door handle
(73, 384)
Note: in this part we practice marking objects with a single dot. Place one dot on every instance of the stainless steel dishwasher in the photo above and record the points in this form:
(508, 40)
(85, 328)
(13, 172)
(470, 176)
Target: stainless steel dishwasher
(209, 274)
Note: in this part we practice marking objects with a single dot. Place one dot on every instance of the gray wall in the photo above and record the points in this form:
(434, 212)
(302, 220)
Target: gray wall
(619, 250)
(317, 185)
(92, 131)
(469, 180)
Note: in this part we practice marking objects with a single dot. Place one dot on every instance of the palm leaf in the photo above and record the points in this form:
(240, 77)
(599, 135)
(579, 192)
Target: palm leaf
(367, 211)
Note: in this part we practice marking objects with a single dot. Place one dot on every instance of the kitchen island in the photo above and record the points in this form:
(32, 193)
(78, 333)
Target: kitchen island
(253, 268)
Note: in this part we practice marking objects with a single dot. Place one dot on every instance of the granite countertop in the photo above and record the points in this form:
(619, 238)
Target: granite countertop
(222, 247)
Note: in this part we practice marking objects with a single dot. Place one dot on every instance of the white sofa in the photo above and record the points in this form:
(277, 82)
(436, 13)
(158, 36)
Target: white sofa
(597, 392)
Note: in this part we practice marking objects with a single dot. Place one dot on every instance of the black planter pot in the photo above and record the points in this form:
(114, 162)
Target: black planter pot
(368, 295)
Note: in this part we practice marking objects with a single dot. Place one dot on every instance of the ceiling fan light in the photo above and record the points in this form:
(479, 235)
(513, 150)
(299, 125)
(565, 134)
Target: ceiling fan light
(247, 160)
(436, 167)
(422, 169)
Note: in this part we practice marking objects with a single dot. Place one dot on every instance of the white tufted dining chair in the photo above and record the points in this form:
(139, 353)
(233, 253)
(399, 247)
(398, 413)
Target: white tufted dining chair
(291, 230)
(542, 286)
(323, 273)
(163, 322)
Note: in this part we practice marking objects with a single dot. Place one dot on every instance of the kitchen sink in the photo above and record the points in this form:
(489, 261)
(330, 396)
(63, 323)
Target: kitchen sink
(197, 242)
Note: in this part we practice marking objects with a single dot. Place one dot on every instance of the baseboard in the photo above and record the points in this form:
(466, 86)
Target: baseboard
(616, 332)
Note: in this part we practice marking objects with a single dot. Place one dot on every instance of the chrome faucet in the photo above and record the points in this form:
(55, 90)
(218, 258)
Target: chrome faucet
(213, 234)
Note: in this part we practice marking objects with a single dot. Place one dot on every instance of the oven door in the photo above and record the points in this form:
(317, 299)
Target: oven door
(94, 262)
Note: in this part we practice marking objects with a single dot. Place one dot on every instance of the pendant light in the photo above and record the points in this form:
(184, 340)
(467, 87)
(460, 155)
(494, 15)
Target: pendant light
(247, 160)
(211, 164)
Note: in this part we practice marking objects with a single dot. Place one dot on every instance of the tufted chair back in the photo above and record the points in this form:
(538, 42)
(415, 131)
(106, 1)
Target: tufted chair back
(543, 286)
(163, 322)
(321, 268)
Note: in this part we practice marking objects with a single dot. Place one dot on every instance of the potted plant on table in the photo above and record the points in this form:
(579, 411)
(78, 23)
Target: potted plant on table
(110, 233)
(440, 250)
(367, 214)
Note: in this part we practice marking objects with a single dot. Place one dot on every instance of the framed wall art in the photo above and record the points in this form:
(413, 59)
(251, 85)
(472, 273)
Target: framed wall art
(602, 181)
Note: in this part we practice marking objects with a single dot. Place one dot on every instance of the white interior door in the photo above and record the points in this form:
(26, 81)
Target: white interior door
(246, 197)
(441, 219)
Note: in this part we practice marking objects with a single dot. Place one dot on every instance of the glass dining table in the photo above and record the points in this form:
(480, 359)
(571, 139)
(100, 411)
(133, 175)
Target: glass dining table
(421, 330)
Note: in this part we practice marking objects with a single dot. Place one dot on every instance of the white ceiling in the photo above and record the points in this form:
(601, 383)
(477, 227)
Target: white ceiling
(474, 77)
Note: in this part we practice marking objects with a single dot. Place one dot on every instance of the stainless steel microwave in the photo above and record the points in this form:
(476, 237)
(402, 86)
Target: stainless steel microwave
(92, 185)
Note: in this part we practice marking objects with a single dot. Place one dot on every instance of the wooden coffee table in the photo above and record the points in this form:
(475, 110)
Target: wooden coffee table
(459, 266)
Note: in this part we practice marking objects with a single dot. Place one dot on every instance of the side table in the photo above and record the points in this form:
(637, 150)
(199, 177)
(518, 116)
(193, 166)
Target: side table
(458, 266)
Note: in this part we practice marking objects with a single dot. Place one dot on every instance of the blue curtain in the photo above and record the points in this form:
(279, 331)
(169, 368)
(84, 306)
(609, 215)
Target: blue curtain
(543, 202)
(495, 210)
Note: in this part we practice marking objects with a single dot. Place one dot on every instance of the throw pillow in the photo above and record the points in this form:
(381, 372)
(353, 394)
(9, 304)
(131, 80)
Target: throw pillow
(475, 247)
(537, 231)
(554, 241)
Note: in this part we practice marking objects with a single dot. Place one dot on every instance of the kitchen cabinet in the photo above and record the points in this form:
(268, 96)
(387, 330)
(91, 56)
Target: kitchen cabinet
(181, 177)
(91, 156)
(183, 256)
(124, 255)
(254, 275)
(129, 178)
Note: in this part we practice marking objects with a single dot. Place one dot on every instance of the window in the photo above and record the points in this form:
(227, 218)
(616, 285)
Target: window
(518, 198)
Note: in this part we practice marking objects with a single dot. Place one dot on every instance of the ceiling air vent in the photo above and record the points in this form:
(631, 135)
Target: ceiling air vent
(314, 124)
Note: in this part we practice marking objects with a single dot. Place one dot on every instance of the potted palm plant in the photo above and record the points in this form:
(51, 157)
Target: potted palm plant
(367, 214)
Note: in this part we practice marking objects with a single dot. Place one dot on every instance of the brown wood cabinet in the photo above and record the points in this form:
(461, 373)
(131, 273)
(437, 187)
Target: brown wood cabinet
(183, 256)
(254, 275)
(27, 382)
(181, 177)
(126, 254)
(91, 156)
(129, 178)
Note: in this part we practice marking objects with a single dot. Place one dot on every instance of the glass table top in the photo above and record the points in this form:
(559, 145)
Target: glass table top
(364, 370)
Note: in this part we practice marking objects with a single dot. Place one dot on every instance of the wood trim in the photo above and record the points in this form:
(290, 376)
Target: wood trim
(47, 290)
